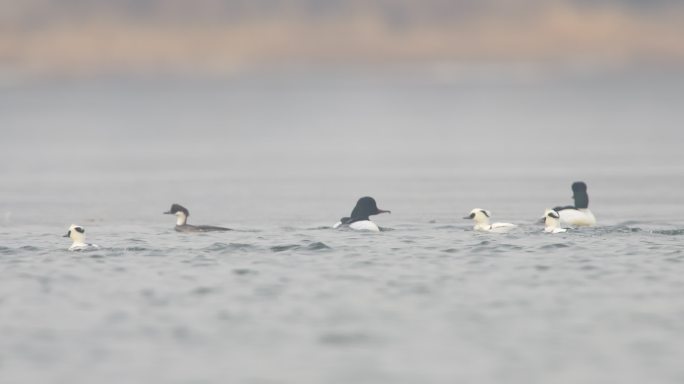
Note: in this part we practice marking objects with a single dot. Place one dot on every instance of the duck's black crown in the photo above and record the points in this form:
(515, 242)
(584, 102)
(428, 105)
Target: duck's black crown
(175, 208)
(365, 207)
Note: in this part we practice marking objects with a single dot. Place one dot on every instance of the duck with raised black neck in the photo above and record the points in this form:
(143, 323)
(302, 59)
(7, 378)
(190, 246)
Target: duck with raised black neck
(577, 215)
(360, 216)
(182, 225)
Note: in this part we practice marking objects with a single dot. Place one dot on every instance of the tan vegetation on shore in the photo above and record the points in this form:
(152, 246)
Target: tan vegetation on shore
(103, 38)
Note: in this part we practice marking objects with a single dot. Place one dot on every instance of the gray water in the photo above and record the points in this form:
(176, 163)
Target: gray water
(284, 298)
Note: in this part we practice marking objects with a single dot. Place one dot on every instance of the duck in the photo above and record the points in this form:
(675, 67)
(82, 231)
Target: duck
(77, 234)
(552, 222)
(481, 219)
(577, 215)
(359, 219)
(182, 225)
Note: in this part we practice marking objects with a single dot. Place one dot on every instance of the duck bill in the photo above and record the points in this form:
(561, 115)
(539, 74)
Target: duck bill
(467, 217)
(67, 235)
(167, 213)
(383, 211)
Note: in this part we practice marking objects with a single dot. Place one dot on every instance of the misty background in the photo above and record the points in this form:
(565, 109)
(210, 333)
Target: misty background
(319, 101)
(326, 100)
(228, 37)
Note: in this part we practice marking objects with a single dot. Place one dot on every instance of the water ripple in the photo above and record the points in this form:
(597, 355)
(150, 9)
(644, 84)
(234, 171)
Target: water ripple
(555, 246)
(315, 246)
(668, 232)
(283, 248)
(218, 247)
(244, 271)
(344, 338)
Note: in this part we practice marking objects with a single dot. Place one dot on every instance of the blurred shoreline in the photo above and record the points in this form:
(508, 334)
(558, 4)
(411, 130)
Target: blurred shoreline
(43, 39)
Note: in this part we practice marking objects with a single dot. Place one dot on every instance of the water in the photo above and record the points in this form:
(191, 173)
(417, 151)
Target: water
(285, 299)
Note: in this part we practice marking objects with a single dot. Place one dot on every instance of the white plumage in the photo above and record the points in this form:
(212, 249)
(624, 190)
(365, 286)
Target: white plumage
(481, 219)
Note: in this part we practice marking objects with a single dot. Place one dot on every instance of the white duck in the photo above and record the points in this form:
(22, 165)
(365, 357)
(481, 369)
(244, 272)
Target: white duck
(481, 219)
(552, 222)
(77, 234)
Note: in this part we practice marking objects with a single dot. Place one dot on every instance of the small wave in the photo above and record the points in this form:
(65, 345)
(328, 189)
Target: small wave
(317, 246)
(555, 246)
(200, 261)
(135, 249)
(449, 227)
(478, 249)
(246, 230)
(508, 247)
(202, 291)
(668, 232)
(622, 229)
(216, 247)
(157, 253)
(630, 223)
(630, 229)
(283, 248)
(344, 338)
(6, 250)
(240, 246)
(244, 271)
(493, 247)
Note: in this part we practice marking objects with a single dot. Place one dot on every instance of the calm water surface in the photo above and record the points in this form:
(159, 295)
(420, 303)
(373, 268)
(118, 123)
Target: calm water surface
(285, 299)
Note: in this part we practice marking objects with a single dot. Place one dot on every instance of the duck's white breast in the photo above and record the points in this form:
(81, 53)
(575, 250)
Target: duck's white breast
(364, 225)
(577, 217)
